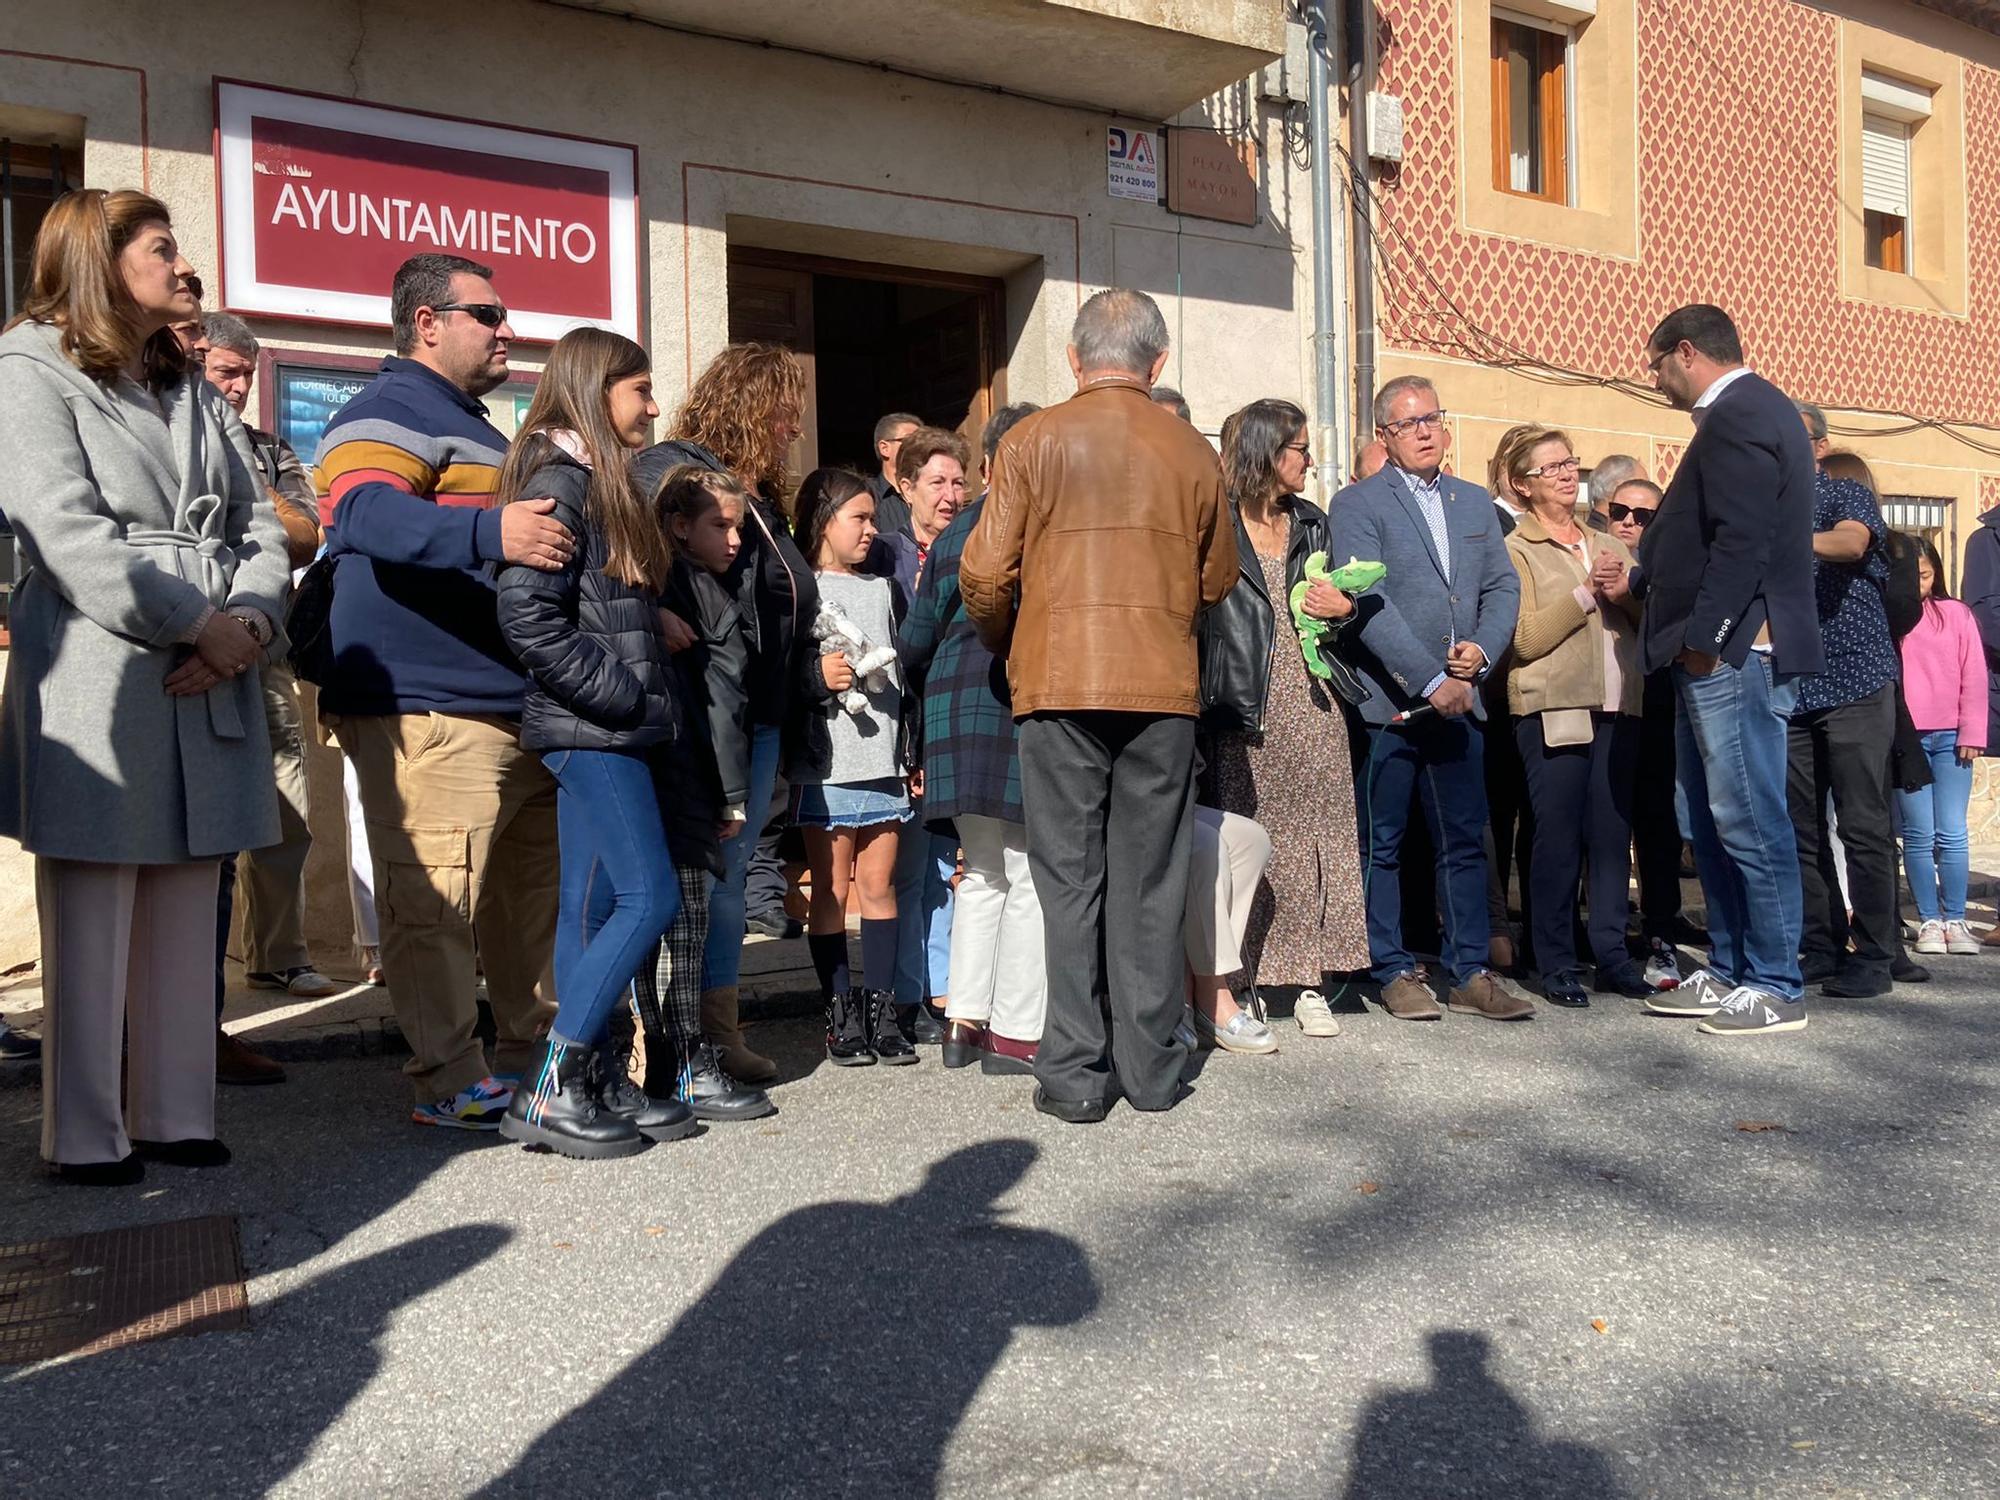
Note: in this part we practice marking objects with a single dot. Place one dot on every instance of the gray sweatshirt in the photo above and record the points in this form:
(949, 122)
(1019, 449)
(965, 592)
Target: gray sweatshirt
(864, 745)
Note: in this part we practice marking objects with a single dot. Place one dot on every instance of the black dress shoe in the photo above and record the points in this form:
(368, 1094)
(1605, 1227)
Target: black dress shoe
(961, 1043)
(1071, 1111)
(1906, 970)
(121, 1173)
(1623, 979)
(1857, 984)
(1563, 988)
(926, 1025)
(1815, 969)
(189, 1153)
(775, 924)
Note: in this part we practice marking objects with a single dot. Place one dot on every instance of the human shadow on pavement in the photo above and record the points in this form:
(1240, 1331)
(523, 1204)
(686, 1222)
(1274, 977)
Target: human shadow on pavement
(225, 1414)
(1465, 1436)
(810, 1367)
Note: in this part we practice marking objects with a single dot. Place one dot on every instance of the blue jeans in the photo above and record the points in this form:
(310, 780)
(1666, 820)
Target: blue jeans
(1936, 856)
(925, 862)
(1731, 758)
(722, 960)
(1445, 760)
(619, 889)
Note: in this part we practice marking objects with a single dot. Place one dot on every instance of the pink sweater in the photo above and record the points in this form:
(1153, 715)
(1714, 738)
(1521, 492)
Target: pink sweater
(1944, 673)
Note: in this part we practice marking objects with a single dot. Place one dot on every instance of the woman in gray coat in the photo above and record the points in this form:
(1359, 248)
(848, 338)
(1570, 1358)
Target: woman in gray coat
(133, 752)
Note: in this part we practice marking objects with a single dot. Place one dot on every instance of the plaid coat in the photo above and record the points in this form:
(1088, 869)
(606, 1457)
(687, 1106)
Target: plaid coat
(969, 746)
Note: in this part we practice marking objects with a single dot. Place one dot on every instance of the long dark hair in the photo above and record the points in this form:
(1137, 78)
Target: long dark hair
(819, 500)
(574, 394)
(1252, 439)
(1928, 553)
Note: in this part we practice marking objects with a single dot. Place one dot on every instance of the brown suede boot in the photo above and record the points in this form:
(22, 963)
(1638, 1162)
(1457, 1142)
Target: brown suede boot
(1408, 998)
(1484, 995)
(718, 1025)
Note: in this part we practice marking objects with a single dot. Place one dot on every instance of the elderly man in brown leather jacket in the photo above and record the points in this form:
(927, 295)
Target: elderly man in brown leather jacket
(1106, 519)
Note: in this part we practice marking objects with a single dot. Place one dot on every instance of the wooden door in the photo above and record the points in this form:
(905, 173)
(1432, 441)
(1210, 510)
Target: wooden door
(774, 305)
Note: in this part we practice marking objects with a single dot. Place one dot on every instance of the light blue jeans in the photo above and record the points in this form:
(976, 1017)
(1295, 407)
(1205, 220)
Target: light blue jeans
(1936, 848)
(722, 960)
(1731, 756)
(925, 862)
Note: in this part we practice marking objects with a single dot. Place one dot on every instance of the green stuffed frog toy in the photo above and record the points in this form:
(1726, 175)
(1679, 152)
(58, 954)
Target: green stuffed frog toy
(1351, 577)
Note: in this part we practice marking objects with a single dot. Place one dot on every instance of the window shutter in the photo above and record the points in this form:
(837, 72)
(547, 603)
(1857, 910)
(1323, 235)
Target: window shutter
(1885, 166)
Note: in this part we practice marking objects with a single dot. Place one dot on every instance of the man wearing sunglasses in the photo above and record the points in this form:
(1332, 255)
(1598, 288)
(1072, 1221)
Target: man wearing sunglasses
(424, 696)
(1424, 638)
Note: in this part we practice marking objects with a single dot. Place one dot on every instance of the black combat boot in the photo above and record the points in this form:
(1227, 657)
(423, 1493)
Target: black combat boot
(655, 1119)
(889, 1029)
(847, 1030)
(693, 1075)
(556, 1109)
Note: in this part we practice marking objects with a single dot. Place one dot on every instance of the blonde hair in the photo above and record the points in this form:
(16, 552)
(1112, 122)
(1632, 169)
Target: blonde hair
(1511, 462)
(732, 410)
(573, 393)
(76, 285)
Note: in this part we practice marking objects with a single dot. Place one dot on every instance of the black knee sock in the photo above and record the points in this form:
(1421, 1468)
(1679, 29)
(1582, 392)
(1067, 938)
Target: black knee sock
(829, 955)
(878, 952)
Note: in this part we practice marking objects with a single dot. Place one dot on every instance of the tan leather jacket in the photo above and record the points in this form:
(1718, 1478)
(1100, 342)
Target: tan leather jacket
(1107, 514)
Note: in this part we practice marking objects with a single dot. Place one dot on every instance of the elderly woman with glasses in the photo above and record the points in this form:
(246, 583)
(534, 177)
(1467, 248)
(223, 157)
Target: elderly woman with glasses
(1576, 693)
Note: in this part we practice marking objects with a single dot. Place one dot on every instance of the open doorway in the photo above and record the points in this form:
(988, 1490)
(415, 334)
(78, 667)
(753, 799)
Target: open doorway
(874, 339)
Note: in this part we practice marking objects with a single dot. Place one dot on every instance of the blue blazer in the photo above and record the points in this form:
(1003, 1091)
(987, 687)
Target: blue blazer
(1731, 549)
(1409, 621)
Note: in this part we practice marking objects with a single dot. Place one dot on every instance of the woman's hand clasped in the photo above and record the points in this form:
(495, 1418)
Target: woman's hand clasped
(1325, 602)
(224, 649)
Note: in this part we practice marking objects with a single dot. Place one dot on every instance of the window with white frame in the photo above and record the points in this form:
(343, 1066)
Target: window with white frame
(1891, 113)
(1534, 142)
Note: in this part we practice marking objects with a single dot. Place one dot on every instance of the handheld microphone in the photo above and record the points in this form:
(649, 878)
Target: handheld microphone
(1411, 713)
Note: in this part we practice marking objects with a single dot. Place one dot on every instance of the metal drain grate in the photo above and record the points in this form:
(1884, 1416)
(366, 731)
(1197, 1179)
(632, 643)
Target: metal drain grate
(122, 1286)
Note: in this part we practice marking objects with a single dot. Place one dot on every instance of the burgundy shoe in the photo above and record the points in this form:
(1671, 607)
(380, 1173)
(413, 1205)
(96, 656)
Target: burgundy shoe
(1002, 1056)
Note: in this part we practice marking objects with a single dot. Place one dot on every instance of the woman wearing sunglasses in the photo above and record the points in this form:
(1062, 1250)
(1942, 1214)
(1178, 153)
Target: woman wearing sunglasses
(1575, 691)
(1631, 510)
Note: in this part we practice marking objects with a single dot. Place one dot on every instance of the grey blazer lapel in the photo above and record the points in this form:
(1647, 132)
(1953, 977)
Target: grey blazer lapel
(1401, 489)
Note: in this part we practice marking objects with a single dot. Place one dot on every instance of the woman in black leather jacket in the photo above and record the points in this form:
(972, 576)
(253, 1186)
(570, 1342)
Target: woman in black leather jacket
(1276, 731)
(600, 702)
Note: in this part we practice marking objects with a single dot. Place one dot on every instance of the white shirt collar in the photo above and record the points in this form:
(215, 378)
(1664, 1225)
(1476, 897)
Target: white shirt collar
(1722, 383)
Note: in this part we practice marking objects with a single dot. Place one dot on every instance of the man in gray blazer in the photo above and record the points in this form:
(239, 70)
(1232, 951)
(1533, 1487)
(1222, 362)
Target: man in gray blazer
(1426, 636)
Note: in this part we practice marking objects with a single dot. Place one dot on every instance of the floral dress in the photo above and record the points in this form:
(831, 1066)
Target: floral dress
(1297, 780)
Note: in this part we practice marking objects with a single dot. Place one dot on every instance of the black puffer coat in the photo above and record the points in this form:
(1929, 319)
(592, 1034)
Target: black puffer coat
(598, 673)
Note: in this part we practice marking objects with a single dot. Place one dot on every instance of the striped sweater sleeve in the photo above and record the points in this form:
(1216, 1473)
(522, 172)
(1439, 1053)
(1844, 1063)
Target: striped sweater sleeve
(383, 493)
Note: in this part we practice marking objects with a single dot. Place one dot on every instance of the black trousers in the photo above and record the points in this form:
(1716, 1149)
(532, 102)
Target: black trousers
(1844, 750)
(1656, 833)
(1110, 803)
(1582, 799)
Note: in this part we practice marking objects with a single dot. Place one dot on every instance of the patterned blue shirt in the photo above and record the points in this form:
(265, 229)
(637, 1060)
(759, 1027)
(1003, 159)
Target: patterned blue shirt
(1854, 624)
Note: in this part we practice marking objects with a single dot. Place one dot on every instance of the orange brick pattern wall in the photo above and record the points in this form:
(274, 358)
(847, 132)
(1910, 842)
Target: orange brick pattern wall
(1738, 116)
(1989, 492)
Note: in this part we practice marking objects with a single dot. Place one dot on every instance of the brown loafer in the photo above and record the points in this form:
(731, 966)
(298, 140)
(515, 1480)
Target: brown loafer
(1408, 998)
(237, 1064)
(1484, 995)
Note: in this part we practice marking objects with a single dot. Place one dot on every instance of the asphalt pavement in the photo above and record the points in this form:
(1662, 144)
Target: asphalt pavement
(1419, 1260)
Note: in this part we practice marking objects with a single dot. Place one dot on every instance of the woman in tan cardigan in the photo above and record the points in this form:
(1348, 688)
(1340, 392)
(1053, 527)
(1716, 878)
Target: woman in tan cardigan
(1575, 690)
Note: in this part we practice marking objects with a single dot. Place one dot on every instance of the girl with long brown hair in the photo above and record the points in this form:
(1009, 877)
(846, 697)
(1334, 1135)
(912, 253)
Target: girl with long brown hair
(132, 738)
(741, 417)
(600, 700)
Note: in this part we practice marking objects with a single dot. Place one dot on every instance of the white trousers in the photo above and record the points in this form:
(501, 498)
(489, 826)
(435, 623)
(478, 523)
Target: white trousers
(128, 955)
(998, 975)
(360, 863)
(1230, 853)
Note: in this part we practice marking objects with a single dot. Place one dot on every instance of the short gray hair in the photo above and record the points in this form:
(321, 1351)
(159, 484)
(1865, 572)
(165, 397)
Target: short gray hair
(227, 331)
(1402, 385)
(1815, 420)
(1121, 330)
(1609, 474)
(1001, 423)
(1173, 401)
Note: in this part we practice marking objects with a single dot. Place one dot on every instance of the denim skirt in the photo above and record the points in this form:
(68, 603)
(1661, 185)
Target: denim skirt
(862, 804)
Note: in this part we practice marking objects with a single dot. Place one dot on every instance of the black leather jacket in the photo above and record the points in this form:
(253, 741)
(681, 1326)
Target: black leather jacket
(598, 673)
(1237, 635)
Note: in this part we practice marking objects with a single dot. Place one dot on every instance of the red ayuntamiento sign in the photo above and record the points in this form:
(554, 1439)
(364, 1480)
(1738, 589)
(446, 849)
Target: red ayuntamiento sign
(323, 198)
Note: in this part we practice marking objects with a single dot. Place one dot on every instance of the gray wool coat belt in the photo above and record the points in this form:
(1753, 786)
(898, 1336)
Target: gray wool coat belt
(130, 527)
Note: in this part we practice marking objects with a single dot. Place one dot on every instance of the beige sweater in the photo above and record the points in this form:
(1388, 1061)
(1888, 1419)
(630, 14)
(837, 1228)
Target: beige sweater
(1558, 643)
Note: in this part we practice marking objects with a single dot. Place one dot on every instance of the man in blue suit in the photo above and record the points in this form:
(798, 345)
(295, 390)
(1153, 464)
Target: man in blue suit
(1726, 570)
(1423, 641)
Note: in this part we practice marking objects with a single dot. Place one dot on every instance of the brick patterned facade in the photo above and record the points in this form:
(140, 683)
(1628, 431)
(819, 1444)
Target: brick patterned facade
(1738, 202)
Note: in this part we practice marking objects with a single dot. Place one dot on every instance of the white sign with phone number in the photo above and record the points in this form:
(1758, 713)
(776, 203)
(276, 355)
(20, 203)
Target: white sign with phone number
(1132, 163)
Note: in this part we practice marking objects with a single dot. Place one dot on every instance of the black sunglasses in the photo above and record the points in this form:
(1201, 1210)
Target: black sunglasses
(1639, 515)
(492, 314)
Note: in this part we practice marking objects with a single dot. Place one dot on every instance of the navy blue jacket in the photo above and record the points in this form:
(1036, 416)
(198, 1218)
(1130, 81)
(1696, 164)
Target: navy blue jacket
(1731, 548)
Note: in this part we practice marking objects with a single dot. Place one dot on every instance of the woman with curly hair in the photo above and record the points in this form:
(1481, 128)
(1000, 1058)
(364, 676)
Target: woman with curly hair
(740, 418)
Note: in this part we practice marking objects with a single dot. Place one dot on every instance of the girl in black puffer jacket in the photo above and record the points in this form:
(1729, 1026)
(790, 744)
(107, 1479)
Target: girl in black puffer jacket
(600, 702)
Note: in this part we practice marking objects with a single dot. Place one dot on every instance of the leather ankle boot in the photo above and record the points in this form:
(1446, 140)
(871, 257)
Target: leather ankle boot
(656, 1119)
(693, 1074)
(557, 1109)
(847, 1030)
(718, 1024)
(888, 1032)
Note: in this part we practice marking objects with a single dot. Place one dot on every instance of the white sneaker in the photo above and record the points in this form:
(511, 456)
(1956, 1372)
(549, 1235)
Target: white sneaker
(1663, 965)
(1700, 994)
(1314, 1015)
(1930, 938)
(1958, 938)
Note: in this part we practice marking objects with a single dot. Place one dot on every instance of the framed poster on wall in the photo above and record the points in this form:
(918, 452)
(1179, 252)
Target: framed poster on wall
(298, 393)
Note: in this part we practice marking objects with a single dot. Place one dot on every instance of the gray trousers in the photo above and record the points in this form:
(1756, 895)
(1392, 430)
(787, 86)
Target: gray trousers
(1110, 806)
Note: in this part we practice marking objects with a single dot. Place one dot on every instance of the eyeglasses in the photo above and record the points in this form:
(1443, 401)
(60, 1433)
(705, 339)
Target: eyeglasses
(1560, 466)
(1304, 450)
(492, 314)
(1639, 515)
(1653, 364)
(1412, 424)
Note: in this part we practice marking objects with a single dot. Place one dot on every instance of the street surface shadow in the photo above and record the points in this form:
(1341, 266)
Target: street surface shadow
(807, 1368)
(1465, 1436)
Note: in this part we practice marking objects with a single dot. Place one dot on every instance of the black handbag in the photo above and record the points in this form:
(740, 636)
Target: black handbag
(308, 623)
